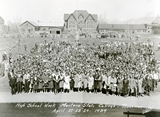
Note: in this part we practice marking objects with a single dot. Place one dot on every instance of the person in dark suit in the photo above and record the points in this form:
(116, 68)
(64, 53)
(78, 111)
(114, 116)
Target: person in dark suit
(96, 78)
(125, 87)
(12, 82)
(19, 82)
(56, 82)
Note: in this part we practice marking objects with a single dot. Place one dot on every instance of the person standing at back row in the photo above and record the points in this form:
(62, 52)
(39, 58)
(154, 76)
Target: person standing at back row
(90, 82)
(19, 82)
(96, 78)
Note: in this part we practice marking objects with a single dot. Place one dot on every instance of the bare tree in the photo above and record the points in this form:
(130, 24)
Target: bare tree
(14, 26)
(157, 20)
(17, 22)
(102, 19)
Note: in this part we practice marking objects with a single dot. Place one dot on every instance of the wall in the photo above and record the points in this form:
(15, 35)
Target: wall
(44, 28)
(72, 24)
(55, 31)
(86, 25)
(91, 25)
(27, 28)
(156, 29)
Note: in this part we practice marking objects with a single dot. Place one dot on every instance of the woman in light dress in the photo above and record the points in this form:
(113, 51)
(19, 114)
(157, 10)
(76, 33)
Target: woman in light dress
(66, 85)
(85, 81)
(79, 81)
(139, 83)
(61, 82)
(132, 85)
(90, 82)
(76, 80)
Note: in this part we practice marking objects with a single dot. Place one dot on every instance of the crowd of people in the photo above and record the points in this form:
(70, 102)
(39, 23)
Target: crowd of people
(112, 68)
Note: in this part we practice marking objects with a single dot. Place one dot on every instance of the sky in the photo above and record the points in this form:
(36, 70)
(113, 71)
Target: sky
(54, 10)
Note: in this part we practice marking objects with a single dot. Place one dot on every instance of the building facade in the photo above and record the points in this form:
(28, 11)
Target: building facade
(42, 29)
(156, 25)
(156, 29)
(80, 20)
(121, 29)
(149, 29)
(28, 27)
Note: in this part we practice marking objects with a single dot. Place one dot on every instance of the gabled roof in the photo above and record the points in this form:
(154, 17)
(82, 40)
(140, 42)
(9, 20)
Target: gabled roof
(42, 24)
(81, 15)
(121, 26)
(66, 16)
(31, 22)
(77, 13)
(94, 18)
(34, 23)
(73, 16)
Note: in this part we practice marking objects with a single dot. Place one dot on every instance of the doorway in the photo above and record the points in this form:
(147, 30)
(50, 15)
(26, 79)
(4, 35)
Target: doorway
(57, 32)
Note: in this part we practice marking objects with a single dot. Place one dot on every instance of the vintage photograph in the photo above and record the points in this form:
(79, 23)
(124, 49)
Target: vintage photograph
(80, 58)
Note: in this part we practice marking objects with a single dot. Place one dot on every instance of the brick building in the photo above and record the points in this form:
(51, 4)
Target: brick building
(80, 20)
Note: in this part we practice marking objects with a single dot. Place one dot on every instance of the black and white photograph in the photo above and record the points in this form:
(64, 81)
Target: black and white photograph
(79, 58)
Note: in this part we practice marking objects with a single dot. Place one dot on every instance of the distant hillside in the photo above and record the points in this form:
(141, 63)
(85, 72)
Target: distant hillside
(143, 20)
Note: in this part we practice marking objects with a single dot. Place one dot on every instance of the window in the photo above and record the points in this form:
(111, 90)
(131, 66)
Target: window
(89, 21)
(71, 22)
(80, 22)
(81, 26)
(80, 17)
(57, 32)
(71, 26)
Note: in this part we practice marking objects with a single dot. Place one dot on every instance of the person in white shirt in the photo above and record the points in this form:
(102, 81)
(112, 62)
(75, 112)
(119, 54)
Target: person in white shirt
(26, 78)
(104, 82)
(108, 85)
(61, 83)
(80, 81)
(66, 85)
(155, 79)
(90, 82)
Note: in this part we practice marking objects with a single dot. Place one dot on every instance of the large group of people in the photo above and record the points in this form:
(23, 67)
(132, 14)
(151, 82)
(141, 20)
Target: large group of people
(112, 68)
